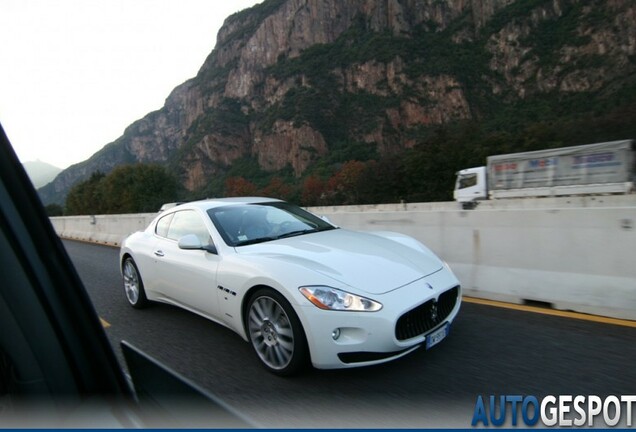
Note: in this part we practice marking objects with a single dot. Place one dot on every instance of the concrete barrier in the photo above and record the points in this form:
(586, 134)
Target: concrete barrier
(104, 229)
(571, 254)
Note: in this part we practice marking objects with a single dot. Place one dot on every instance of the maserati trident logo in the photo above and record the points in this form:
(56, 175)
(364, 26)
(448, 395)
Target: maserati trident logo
(434, 312)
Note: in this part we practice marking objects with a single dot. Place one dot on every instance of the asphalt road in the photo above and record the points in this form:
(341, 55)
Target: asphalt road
(489, 351)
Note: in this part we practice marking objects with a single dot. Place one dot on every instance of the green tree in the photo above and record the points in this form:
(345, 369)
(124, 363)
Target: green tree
(127, 189)
(85, 198)
(384, 180)
(138, 189)
(431, 166)
(54, 210)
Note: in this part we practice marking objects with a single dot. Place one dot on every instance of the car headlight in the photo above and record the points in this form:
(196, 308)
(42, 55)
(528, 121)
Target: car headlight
(329, 298)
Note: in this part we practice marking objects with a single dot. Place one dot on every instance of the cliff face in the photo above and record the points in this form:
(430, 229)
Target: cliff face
(289, 79)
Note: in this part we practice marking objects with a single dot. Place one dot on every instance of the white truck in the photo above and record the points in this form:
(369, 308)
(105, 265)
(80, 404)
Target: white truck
(592, 169)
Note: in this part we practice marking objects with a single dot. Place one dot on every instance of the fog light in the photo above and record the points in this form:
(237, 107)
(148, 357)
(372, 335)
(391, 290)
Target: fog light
(335, 334)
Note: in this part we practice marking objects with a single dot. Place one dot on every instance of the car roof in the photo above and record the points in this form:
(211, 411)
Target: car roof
(220, 202)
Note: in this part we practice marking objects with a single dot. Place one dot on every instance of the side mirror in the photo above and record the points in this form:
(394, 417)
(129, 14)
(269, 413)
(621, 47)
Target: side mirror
(192, 242)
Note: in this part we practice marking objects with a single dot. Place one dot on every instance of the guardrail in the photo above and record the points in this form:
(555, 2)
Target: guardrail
(570, 254)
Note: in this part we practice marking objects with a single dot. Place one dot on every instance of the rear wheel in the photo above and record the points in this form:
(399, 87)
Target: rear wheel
(133, 285)
(275, 333)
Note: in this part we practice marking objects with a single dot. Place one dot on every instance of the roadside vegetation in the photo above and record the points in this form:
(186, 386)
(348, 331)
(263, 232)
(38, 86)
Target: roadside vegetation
(127, 189)
(353, 173)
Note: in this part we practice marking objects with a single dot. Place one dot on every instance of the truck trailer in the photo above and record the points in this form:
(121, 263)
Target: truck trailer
(591, 169)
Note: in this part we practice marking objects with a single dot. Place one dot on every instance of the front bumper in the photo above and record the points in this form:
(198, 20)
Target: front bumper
(367, 338)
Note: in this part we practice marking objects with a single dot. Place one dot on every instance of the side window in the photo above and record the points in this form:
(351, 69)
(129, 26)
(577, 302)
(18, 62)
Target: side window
(467, 180)
(162, 225)
(188, 222)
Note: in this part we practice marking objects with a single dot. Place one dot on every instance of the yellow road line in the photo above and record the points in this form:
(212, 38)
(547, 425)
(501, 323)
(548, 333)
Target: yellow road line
(105, 323)
(553, 312)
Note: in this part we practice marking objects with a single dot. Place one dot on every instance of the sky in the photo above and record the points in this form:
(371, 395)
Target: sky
(76, 73)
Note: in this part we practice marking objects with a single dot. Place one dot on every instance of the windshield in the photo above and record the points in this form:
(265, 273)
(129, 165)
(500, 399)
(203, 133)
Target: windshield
(241, 225)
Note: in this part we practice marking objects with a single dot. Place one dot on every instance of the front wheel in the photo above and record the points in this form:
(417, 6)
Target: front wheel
(275, 333)
(133, 285)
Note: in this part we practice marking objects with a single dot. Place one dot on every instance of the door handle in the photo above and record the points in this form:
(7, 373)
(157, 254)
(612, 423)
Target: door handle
(159, 253)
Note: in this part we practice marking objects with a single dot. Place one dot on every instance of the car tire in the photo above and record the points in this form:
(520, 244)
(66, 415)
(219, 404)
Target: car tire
(275, 333)
(133, 285)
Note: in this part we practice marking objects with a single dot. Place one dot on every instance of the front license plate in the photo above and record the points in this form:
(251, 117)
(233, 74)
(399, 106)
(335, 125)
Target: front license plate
(437, 336)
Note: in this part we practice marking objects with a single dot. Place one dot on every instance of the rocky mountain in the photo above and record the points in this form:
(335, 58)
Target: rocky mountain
(291, 82)
(40, 172)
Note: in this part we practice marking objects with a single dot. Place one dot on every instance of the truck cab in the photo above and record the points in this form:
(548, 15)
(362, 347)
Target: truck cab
(471, 185)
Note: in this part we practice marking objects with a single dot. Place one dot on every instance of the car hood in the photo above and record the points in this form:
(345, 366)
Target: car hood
(364, 261)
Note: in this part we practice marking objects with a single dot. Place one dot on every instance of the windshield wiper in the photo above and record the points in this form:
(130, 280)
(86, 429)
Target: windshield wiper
(297, 233)
(327, 228)
(282, 236)
(255, 240)
(305, 231)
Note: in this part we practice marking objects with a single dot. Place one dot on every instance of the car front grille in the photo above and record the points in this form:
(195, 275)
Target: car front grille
(426, 316)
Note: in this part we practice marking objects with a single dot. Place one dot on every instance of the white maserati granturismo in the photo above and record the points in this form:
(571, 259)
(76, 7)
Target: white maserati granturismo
(293, 285)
